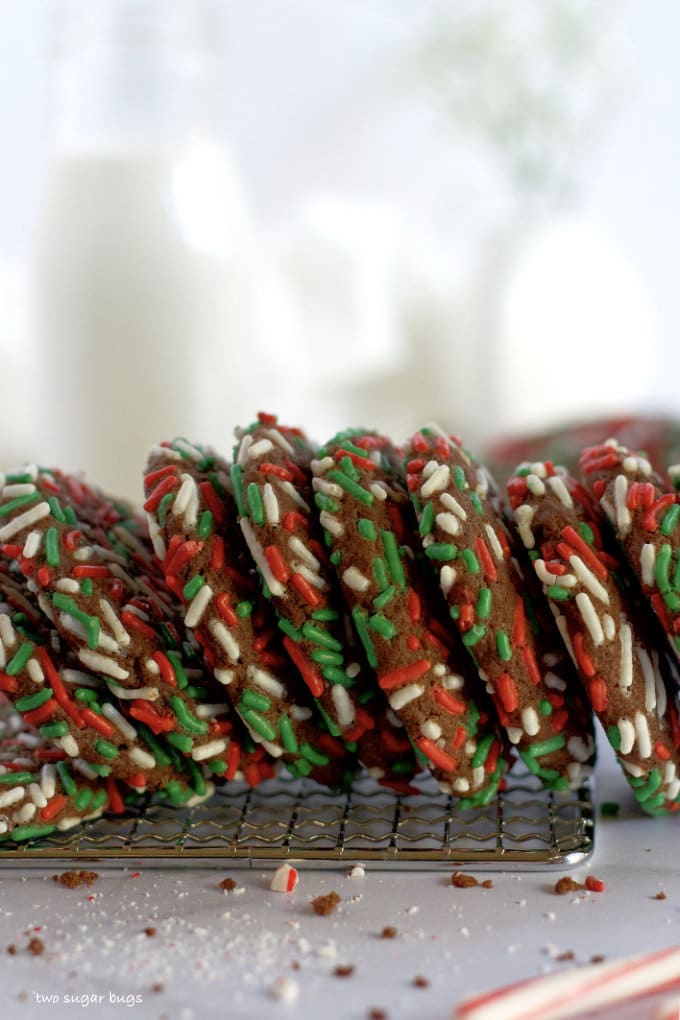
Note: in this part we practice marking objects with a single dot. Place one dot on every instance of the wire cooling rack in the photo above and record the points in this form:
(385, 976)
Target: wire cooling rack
(525, 827)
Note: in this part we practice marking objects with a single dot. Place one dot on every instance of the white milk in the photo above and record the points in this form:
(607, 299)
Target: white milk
(142, 306)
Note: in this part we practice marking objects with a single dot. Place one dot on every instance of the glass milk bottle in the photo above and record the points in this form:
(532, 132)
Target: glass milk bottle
(143, 248)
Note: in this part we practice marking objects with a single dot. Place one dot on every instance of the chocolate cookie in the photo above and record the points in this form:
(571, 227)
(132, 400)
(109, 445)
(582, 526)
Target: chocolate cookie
(623, 673)
(526, 669)
(365, 510)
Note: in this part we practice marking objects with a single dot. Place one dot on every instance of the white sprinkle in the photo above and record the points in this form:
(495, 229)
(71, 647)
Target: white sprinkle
(224, 676)
(320, 467)
(315, 579)
(48, 780)
(608, 626)
(7, 632)
(379, 491)
(67, 585)
(208, 750)
(305, 554)
(355, 580)
(186, 501)
(265, 681)
(291, 491)
(70, 745)
(515, 734)
(450, 502)
(24, 814)
(356, 871)
(270, 504)
(448, 523)
(538, 468)
(259, 448)
(25, 520)
(225, 640)
(552, 680)
(494, 542)
(535, 485)
(644, 741)
(244, 446)
(661, 693)
(560, 490)
(36, 795)
(156, 536)
(631, 768)
(580, 749)
(431, 729)
(111, 618)
(524, 515)
(111, 713)
(331, 489)
(32, 544)
(280, 440)
(206, 710)
(76, 676)
(198, 606)
(647, 563)
(275, 587)
(453, 682)
(12, 796)
(344, 709)
(331, 524)
(461, 785)
(588, 579)
(132, 693)
(143, 758)
(548, 578)
(530, 721)
(626, 668)
(285, 990)
(623, 517)
(627, 734)
(403, 695)
(650, 679)
(18, 489)
(102, 664)
(437, 481)
(447, 578)
(590, 618)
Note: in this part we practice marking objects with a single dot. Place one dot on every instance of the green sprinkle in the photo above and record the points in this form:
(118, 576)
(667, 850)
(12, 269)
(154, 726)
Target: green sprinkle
(180, 675)
(382, 626)
(477, 504)
(530, 762)
(394, 563)
(102, 770)
(187, 720)
(254, 699)
(544, 747)
(313, 756)
(484, 603)
(56, 510)
(556, 591)
(24, 832)
(86, 695)
(670, 519)
(332, 727)
(219, 767)
(52, 547)
(70, 515)
(176, 793)
(427, 519)
(32, 701)
(153, 743)
(164, 506)
(662, 568)
(609, 808)
(359, 617)
(366, 529)
(192, 587)
(482, 752)
(87, 587)
(473, 635)
(441, 551)
(380, 573)
(20, 501)
(454, 612)
(351, 487)
(470, 560)
(325, 657)
(196, 779)
(650, 787)
(83, 798)
(403, 766)
(347, 467)
(17, 778)
(91, 623)
(106, 749)
(319, 636)
(655, 806)
(672, 600)
(386, 596)
(181, 741)
(337, 676)
(258, 723)
(205, 525)
(336, 557)
(545, 707)
(287, 733)
(55, 729)
(255, 504)
(587, 533)
(70, 788)
(326, 503)
(20, 478)
(244, 609)
(459, 478)
(503, 646)
(237, 483)
(289, 630)
(325, 615)
(20, 658)
(299, 767)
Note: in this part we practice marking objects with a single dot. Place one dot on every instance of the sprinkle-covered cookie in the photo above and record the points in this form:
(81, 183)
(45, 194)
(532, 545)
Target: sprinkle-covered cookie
(623, 673)
(370, 525)
(204, 559)
(118, 620)
(527, 672)
(645, 513)
(276, 500)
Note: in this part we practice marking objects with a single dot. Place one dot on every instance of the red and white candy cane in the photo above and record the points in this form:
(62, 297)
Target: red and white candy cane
(577, 991)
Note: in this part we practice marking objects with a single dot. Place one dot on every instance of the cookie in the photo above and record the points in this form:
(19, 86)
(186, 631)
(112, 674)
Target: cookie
(527, 672)
(370, 526)
(120, 621)
(277, 506)
(644, 511)
(603, 626)
(198, 542)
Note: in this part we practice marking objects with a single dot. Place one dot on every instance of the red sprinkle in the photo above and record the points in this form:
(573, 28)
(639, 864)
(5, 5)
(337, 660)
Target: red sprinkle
(438, 757)
(277, 564)
(306, 591)
(594, 884)
(485, 559)
(310, 674)
(396, 677)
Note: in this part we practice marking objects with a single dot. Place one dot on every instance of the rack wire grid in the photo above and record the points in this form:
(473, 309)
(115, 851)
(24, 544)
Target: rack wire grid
(524, 828)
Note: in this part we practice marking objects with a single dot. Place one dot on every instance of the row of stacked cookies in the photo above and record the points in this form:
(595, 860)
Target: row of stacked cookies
(284, 609)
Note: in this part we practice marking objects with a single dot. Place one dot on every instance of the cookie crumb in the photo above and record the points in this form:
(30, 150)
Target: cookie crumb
(597, 958)
(660, 896)
(567, 885)
(388, 932)
(74, 879)
(420, 982)
(357, 871)
(344, 971)
(150, 932)
(12, 949)
(158, 987)
(324, 905)
(285, 989)
(36, 947)
(564, 957)
(463, 881)
(377, 1014)
(228, 884)
(487, 884)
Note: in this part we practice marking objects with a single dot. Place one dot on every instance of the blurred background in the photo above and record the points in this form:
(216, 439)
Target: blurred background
(373, 213)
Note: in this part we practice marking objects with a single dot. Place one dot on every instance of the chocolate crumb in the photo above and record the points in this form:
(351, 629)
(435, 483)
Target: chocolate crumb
(487, 884)
(563, 957)
(660, 895)
(389, 932)
(377, 1014)
(157, 987)
(12, 949)
(344, 971)
(463, 881)
(324, 905)
(598, 958)
(150, 932)
(420, 982)
(295, 964)
(74, 879)
(228, 884)
(36, 947)
(566, 885)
